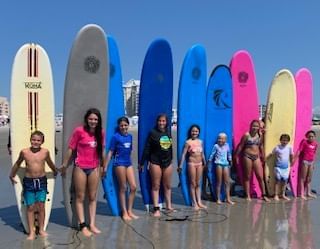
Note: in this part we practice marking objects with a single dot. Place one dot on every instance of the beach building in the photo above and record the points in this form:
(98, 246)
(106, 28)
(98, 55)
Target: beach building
(4, 111)
(131, 91)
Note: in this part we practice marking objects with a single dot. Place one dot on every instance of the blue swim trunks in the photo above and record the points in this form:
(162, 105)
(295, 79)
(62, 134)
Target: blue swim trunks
(34, 190)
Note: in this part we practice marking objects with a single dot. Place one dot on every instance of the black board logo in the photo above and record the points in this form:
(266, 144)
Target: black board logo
(196, 73)
(270, 112)
(33, 85)
(91, 64)
(220, 99)
(243, 77)
(112, 69)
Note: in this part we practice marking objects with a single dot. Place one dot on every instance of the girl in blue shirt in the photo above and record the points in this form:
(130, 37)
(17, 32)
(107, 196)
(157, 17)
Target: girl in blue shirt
(120, 149)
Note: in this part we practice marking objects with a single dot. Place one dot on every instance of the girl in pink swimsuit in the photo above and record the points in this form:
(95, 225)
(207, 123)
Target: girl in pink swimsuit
(307, 155)
(193, 149)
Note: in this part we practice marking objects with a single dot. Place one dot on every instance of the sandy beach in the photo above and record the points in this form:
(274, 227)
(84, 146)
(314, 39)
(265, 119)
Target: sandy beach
(293, 224)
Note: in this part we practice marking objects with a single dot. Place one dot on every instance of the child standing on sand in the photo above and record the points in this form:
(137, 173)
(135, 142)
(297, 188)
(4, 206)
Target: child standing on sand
(284, 158)
(307, 155)
(221, 156)
(193, 150)
(34, 181)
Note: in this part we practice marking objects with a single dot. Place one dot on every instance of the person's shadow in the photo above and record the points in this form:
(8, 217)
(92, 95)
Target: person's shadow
(10, 217)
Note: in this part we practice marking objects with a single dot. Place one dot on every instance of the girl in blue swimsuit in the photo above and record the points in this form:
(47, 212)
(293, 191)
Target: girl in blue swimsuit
(120, 149)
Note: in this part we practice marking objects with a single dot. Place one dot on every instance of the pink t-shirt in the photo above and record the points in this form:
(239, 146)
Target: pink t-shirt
(85, 144)
(308, 150)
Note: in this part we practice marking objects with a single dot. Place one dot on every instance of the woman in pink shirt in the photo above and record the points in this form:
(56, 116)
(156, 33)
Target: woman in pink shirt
(88, 143)
(307, 155)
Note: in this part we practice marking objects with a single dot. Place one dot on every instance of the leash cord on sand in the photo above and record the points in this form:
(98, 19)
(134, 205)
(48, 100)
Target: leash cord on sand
(140, 234)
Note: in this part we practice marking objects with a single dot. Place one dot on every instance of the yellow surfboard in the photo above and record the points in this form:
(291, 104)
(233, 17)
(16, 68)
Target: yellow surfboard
(32, 108)
(280, 119)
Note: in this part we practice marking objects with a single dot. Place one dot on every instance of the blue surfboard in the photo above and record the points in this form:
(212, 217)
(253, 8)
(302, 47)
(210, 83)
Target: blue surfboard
(218, 116)
(191, 105)
(156, 91)
(115, 110)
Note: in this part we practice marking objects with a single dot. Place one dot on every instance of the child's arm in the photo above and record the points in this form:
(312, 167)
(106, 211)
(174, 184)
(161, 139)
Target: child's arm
(106, 162)
(183, 156)
(66, 160)
(15, 167)
(213, 152)
(51, 164)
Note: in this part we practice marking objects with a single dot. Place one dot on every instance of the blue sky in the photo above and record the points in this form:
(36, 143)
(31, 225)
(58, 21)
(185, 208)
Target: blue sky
(278, 34)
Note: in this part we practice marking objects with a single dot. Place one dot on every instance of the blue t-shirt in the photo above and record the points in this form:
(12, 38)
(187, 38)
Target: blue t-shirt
(220, 154)
(121, 145)
(282, 154)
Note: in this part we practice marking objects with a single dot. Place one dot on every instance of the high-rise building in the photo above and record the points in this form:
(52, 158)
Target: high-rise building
(131, 91)
(4, 107)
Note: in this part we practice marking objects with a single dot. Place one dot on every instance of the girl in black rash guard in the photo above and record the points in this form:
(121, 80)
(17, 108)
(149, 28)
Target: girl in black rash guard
(158, 151)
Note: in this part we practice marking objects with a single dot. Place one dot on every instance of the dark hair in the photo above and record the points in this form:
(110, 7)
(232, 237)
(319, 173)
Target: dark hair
(254, 121)
(190, 129)
(123, 119)
(97, 131)
(37, 133)
(162, 115)
(285, 136)
(310, 131)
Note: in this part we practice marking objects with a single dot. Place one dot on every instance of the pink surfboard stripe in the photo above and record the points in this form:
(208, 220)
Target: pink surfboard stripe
(304, 89)
(245, 104)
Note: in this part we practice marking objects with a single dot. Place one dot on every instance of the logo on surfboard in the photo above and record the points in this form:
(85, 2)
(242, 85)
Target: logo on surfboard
(91, 64)
(270, 112)
(33, 85)
(243, 77)
(196, 73)
(220, 98)
(112, 70)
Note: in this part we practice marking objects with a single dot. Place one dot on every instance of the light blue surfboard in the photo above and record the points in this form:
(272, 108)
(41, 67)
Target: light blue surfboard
(115, 110)
(191, 105)
(218, 116)
(156, 90)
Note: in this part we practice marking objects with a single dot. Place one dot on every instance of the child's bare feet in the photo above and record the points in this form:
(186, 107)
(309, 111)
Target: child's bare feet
(311, 195)
(196, 207)
(126, 217)
(219, 202)
(157, 213)
(286, 198)
(276, 198)
(265, 198)
(133, 216)
(202, 206)
(43, 233)
(94, 229)
(31, 236)
(303, 197)
(86, 233)
(230, 202)
(248, 198)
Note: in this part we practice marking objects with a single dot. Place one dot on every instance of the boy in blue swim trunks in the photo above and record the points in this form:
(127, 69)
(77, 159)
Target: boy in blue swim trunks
(34, 181)
(284, 158)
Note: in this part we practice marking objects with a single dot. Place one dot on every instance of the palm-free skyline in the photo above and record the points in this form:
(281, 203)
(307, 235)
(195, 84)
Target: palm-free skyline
(277, 34)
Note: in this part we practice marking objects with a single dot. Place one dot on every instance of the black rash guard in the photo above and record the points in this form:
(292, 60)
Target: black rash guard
(158, 148)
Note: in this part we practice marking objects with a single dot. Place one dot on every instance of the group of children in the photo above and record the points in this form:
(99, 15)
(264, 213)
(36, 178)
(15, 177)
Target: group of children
(220, 160)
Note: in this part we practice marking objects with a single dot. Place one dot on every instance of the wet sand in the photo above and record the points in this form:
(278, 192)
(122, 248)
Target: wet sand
(293, 224)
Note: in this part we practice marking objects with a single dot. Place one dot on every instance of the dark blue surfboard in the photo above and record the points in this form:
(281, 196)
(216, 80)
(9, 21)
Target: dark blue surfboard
(156, 90)
(218, 115)
(191, 105)
(115, 110)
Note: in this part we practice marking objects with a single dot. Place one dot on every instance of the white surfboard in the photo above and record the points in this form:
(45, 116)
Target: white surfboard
(32, 108)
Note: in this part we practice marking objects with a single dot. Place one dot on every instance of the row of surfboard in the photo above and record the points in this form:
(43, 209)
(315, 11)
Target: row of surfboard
(227, 103)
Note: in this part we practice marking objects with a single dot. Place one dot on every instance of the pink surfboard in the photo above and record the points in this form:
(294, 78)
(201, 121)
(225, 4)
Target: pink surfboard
(245, 105)
(303, 80)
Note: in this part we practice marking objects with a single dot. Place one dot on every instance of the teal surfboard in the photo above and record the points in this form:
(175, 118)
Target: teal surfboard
(156, 91)
(218, 116)
(191, 105)
(115, 110)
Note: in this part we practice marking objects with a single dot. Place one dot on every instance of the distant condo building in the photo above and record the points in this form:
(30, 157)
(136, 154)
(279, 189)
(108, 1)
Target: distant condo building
(131, 91)
(262, 111)
(4, 107)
